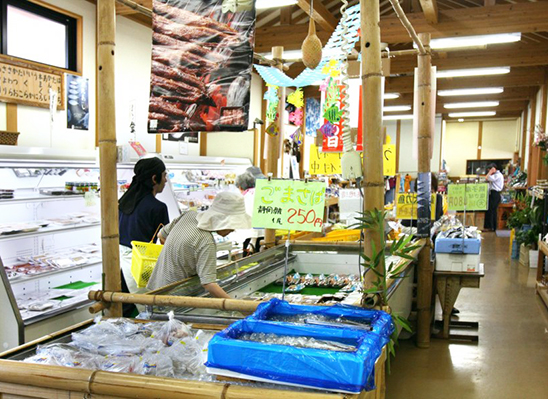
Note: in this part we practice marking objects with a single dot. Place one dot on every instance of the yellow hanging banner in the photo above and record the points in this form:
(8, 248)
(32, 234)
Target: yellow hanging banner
(329, 163)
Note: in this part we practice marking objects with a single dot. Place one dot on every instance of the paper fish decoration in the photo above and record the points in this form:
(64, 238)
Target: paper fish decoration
(273, 129)
(325, 85)
(329, 130)
(333, 114)
(297, 136)
(296, 117)
(296, 98)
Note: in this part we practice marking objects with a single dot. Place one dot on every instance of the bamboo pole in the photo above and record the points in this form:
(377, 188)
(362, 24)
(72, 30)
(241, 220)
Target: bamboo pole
(175, 301)
(407, 25)
(106, 36)
(426, 111)
(531, 180)
(273, 143)
(70, 381)
(372, 89)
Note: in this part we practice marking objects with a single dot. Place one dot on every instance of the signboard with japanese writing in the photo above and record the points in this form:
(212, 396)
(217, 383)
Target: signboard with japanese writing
(406, 206)
(22, 85)
(470, 197)
(329, 163)
(289, 205)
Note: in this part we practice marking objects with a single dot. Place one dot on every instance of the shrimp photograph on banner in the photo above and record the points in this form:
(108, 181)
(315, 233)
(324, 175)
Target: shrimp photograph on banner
(202, 55)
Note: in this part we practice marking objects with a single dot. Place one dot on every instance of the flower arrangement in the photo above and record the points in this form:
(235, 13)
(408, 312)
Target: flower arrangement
(541, 141)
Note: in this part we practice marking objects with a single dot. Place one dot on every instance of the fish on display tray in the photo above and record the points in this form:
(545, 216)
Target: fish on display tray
(295, 288)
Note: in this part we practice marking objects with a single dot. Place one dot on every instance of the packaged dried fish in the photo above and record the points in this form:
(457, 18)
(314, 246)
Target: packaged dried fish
(295, 288)
(298, 342)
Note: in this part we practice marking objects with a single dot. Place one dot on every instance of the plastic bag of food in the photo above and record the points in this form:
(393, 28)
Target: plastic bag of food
(172, 330)
(120, 364)
(157, 364)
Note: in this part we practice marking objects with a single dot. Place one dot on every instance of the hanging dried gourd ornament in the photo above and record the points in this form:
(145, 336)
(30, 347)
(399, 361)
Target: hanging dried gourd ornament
(312, 46)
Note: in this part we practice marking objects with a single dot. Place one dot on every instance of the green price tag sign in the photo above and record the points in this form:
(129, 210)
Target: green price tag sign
(289, 205)
(472, 197)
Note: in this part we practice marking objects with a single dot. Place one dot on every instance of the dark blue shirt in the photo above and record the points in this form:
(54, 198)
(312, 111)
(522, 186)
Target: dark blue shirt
(143, 222)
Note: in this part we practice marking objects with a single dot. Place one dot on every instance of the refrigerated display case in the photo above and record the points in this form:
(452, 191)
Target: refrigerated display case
(50, 231)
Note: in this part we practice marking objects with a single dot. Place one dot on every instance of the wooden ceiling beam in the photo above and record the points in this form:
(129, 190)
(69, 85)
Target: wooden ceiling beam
(518, 77)
(430, 10)
(506, 18)
(513, 55)
(290, 39)
(320, 14)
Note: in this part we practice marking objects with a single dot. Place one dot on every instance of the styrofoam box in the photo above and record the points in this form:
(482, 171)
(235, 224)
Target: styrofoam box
(457, 262)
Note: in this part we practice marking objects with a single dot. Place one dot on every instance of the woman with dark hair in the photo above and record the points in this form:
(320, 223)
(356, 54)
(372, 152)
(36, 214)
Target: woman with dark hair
(140, 215)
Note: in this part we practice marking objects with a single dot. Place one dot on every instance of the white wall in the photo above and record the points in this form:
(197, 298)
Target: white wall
(498, 142)
(132, 80)
(460, 142)
(408, 161)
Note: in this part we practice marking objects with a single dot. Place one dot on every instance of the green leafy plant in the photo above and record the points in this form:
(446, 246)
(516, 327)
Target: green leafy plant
(533, 217)
(376, 264)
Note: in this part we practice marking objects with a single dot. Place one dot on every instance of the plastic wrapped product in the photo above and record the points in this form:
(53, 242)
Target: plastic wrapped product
(380, 322)
(173, 330)
(121, 364)
(157, 364)
(349, 372)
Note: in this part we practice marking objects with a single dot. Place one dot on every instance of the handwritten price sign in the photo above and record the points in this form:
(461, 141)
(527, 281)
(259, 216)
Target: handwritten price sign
(406, 206)
(473, 197)
(289, 205)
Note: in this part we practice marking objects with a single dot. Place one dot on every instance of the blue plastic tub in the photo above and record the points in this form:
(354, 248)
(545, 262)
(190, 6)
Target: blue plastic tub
(446, 245)
(350, 372)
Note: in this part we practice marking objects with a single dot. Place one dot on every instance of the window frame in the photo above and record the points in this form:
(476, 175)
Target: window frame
(56, 14)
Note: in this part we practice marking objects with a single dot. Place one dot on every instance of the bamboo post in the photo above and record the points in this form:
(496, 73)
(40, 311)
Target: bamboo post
(175, 301)
(425, 113)
(372, 89)
(273, 143)
(106, 36)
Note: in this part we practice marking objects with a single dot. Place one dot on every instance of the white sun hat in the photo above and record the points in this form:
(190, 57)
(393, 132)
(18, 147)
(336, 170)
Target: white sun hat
(227, 212)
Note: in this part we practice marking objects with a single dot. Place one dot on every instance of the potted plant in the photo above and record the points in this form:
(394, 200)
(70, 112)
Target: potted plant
(528, 237)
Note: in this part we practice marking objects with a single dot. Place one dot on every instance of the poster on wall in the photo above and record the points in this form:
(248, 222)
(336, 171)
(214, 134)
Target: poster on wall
(202, 55)
(313, 110)
(77, 102)
(191, 137)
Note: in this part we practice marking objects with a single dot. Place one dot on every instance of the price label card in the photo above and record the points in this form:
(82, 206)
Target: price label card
(406, 206)
(472, 197)
(289, 205)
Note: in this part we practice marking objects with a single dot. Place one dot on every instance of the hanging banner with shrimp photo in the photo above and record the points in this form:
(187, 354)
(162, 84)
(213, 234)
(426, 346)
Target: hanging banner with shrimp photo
(202, 54)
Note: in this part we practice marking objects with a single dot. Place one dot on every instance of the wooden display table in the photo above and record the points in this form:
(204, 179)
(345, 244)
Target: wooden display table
(448, 285)
(503, 212)
(542, 289)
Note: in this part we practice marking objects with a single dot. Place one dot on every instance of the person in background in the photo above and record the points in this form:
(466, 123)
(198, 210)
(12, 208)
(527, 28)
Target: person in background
(496, 184)
(140, 216)
(246, 183)
(189, 247)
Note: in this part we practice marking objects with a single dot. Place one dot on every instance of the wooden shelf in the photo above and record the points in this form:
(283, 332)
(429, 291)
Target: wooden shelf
(542, 292)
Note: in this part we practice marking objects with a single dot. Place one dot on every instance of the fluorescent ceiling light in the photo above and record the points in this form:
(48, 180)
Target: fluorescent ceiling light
(478, 104)
(396, 108)
(461, 120)
(474, 41)
(470, 92)
(262, 4)
(453, 73)
(471, 114)
(396, 117)
(287, 55)
(391, 96)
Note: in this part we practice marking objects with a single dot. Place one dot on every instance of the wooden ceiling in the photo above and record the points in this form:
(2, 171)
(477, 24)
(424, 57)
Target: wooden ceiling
(527, 58)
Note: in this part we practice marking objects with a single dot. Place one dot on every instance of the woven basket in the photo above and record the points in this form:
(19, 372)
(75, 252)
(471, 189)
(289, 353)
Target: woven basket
(8, 138)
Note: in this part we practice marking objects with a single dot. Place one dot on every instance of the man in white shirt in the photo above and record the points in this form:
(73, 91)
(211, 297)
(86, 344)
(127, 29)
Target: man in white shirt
(496, 184)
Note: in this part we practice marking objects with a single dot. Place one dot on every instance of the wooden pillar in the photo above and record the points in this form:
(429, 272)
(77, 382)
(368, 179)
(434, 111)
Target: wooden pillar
(11, 117)
(523, 140)
(398, 140)
(542, 170)
(372, 91)
(425, 113)
(273, 143)
(158, 143)
(106, 31)
(531, 180)
(480, 138)
(262, 162)
(203, 144)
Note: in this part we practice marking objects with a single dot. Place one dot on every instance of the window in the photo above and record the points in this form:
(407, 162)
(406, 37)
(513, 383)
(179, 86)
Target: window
(37, 33)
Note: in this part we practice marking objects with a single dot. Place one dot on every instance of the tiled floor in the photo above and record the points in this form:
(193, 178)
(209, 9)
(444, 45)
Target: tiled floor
(511, 359)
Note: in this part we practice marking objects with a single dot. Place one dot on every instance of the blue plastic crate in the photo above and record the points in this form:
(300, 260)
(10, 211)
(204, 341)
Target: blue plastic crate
(446, 245)
(381, 322)
(350, 372)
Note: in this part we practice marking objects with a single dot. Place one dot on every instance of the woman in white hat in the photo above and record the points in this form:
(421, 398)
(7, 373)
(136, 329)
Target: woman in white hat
(189, 248)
